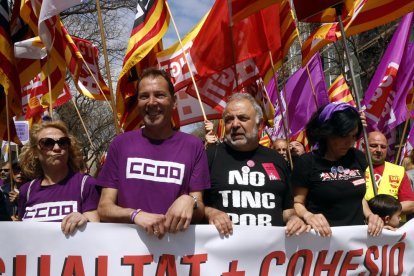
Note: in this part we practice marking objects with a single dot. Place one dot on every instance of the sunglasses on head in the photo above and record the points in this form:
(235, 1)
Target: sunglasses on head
(49, 143)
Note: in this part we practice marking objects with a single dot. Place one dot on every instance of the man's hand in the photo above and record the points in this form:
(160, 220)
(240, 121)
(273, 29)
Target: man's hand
(221, 220)
(375, 224)
(179, 215)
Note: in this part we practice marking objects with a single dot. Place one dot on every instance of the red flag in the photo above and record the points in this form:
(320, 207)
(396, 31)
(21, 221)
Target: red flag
(218, 46)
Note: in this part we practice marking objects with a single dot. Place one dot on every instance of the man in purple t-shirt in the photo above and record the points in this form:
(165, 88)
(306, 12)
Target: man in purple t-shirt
(154, 176)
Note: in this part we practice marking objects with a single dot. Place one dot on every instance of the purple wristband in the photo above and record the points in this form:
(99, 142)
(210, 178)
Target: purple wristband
(134, 214)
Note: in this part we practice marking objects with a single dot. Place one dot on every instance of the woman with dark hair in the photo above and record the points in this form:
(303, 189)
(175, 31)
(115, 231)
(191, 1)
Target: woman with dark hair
(329, 182)
(59, 192)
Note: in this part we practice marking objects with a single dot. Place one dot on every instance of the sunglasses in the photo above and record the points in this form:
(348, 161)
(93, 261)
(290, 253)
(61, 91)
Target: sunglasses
(4, 170)
(49, 143)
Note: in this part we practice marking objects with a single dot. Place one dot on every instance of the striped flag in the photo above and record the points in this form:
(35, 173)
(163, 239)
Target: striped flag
(365, 15)
(288, 34)
(244, 8)
(340, 92)
(9, 82)
(151, 23)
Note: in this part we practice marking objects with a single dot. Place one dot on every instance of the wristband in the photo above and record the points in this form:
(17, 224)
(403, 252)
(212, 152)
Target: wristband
(134, 214)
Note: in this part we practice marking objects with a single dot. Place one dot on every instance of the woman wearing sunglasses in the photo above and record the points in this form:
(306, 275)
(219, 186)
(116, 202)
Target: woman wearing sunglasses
(59, 192)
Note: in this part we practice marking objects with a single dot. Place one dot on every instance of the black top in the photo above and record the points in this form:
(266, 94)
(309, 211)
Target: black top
(336, 188)
(252, 187)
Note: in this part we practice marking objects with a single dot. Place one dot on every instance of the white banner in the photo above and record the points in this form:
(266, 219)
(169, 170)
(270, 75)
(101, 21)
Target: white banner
(30, 248)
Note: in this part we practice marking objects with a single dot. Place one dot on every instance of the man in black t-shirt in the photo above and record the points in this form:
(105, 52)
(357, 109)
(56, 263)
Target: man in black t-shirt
(249, 183)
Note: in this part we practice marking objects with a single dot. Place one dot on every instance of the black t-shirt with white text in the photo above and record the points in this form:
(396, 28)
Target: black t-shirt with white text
(335, 188)
(251, 187)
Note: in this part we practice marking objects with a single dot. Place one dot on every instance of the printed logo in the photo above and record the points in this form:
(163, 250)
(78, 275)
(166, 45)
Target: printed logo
(271, 171)
(50, 211)
(358, 182)
(154, 170)
(394, 179)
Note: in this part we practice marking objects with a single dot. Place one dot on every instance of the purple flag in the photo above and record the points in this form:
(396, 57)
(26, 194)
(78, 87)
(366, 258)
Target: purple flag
(381, 93)
(302, 100)
(408, 146)
(386, 96)
(271, 89)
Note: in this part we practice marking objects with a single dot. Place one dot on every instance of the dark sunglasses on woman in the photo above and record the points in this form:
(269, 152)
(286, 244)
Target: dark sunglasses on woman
(49, 143)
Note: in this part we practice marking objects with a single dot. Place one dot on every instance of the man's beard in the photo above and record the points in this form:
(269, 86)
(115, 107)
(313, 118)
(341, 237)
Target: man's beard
(246, 139)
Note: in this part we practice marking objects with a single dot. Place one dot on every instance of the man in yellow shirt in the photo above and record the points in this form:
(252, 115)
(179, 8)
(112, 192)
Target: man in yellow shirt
(390, 178)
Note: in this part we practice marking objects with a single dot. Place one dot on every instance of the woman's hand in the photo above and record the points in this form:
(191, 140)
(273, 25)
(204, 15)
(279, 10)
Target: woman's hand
(319, 223)
(375, 224)
(72, 221)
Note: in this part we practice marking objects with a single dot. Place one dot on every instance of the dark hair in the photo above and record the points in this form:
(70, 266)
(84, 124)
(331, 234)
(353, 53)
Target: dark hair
(384, 205)
(339, 124)
(154, 73)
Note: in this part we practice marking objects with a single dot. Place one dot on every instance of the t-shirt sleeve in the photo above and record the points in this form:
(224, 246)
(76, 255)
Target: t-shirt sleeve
(200, 177)
(300, 171)
(405, 191)
(90, 195)
(109, 175)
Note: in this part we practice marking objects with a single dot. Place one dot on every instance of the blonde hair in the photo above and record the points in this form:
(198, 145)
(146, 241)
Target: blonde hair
(28, 158)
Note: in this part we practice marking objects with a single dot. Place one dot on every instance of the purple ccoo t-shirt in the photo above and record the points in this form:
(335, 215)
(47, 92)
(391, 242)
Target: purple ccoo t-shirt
(152, 174)
(75, 193)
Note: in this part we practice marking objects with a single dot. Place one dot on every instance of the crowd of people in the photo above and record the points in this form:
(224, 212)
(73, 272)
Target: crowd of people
(163, 180)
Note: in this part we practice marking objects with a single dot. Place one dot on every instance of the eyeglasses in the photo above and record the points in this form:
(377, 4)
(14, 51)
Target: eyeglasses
(49, 143)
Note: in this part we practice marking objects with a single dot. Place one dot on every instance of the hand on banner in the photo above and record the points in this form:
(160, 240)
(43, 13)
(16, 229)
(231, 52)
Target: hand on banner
(179, 215)
(153, 224)
(72, 221)
(375, 224)
(220, 219)
(296, 226)
(319, 223)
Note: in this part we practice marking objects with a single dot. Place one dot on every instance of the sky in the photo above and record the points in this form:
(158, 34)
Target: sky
(186, 14)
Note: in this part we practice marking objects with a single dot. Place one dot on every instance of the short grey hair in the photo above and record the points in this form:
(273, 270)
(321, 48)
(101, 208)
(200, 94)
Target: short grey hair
(245, 96)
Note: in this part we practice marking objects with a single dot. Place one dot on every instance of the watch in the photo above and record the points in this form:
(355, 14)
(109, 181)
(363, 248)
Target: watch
(195, 201)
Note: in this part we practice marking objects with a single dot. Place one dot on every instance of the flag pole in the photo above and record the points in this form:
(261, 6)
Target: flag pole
(405, 128)
(97, 84)
(300, 44)
(187, 62)
(49, 85)
(279, 99)
(9, 138)
(83, 124)
(356, 94)
(108, 71)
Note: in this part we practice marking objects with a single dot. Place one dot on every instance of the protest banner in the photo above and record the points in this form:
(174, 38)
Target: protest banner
(30, 248)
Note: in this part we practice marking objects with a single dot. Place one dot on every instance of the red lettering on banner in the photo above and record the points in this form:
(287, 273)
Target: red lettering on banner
(368, 263)
(347, 265)
(2, 266)
(44, 265)
(20, 262)
(233, 270)
(194, 261)
(329, 267)
(137, 263)
(384, 260)
(307, 256)
(73, 266)
(166, 265)
(401, 248)
(280, 258)
(101, 266)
